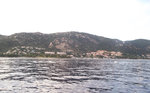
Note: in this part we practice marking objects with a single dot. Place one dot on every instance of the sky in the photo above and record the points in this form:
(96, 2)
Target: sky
(118, 19)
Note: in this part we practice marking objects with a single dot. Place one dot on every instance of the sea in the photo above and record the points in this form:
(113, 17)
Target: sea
(74, 75)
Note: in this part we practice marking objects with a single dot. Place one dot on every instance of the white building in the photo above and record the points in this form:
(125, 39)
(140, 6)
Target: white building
(61, 53)
(50, 53)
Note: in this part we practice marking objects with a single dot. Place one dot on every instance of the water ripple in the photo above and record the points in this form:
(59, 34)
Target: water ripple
(31, 75)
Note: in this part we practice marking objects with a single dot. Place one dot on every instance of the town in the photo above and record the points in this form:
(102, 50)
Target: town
(29, 51)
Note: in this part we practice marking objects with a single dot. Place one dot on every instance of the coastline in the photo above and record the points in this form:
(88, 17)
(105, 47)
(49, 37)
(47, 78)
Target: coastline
(73, 58)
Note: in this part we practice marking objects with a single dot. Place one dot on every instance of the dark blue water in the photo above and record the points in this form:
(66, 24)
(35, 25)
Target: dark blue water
(33, 75)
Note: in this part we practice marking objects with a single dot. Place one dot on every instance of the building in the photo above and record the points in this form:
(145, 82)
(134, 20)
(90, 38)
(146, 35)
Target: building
(104, 53)
(50, 53)
(61, 53)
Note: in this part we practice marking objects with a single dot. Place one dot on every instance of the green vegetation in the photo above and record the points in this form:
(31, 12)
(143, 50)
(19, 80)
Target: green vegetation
(34, 55)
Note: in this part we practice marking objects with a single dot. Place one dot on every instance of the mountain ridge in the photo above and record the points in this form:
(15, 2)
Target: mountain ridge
(76, 42)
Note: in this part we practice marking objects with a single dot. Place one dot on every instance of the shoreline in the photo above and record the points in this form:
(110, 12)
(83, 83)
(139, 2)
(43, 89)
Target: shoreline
(72, 58)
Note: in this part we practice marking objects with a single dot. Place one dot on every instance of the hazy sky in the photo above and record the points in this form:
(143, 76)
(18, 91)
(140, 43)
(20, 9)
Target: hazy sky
(121, 19)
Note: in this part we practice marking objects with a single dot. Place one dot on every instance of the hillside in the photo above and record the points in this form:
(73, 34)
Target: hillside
(74, 42)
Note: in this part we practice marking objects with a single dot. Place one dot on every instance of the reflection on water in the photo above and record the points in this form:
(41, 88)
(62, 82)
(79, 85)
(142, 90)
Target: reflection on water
(30, 75)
